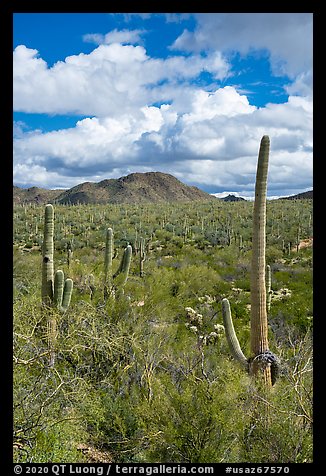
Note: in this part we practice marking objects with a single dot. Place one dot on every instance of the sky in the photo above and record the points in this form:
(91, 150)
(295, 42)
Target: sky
(103, 95)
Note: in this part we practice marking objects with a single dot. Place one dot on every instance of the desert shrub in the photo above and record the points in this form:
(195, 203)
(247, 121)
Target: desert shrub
(273, 254)
(130, 377)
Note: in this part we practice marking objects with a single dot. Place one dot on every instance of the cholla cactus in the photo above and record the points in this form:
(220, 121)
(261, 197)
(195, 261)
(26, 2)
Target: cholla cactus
(194, 317)
(219, 329)
(195, 322)
(212, 338)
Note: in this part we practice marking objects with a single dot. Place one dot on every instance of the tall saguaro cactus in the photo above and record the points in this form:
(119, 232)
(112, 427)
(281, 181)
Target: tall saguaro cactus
(47, 253)
(108, 261)
(262, 360)
(258, 322)
(56, 291)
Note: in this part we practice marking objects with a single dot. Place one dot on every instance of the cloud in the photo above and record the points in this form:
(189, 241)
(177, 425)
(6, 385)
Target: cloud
(286, 37)
(115, 36)
(144, 113)
(213, 144)
(100, 83)
(169, 17)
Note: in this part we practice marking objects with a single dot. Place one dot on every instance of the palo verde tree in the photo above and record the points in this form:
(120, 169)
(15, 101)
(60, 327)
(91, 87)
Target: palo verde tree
(262, 361)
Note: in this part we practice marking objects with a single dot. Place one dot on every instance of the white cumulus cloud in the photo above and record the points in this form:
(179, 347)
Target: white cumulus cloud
(144, 113)
(110, 79)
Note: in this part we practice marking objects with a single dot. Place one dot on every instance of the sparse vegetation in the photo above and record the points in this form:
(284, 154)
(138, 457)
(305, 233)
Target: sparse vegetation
(131, 382)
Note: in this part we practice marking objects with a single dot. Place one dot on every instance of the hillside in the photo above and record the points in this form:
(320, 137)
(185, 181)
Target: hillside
(149, 187)
(34, 195)
(300, 196)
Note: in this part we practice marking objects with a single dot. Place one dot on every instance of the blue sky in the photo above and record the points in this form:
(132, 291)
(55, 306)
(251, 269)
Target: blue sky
(101, 95)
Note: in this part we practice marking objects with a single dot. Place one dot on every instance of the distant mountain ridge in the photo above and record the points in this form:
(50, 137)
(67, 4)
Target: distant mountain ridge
(34, 195)
(148, 187)
(300, 196)
(232, 198)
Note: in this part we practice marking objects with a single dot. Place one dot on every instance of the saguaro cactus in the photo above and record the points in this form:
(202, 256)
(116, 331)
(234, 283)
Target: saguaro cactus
(121, 275)
(56, 291)
(62, 291)
(47, 252)
(115, 282)
(142, 257)
(69, 255)
(262, 359)
(258, 322)
(108, 258)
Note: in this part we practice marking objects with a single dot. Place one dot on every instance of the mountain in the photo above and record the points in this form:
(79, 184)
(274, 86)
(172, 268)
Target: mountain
(149, 187)
(300, 196)
(34, 195)
(232, 198)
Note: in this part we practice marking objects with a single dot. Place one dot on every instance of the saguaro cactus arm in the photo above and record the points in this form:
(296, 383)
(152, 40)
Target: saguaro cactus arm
(122, 273)
(58, 288)
(67, 293)
(231, 336)
(62, 291)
